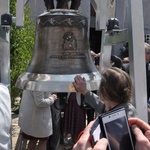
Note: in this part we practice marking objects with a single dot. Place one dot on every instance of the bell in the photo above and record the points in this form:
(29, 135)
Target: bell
(61, 51)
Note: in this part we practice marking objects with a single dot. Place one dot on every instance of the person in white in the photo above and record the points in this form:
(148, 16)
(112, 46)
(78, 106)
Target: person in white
(35, 118)
(5, 118)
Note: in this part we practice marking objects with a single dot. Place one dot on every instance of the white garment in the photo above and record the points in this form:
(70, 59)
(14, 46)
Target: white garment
(35, 114)
(5, 118)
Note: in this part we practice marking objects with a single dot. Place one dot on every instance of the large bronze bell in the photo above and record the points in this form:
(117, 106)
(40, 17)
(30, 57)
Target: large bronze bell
(61, 52)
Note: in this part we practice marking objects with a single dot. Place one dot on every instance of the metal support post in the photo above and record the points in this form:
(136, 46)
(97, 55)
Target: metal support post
(4, 46)
(137, 56)
(4, 49)
(135, 38)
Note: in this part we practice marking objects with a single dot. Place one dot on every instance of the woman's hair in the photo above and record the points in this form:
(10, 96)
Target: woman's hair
(116, 85)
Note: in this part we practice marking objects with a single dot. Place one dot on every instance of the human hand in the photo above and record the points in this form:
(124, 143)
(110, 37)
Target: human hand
(93, 55)
(142, 139)
(80, 84)
(84, 142)
(53, 96)
(98, 55)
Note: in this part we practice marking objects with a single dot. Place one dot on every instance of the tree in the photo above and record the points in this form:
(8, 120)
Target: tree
(21, 46)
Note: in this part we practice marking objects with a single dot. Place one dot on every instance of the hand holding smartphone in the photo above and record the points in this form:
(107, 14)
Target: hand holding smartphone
(113, 125)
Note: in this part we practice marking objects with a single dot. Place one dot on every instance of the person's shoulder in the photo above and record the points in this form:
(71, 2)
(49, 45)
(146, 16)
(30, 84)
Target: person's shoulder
(4, 91)
(130, 105)
(4, 86)
(131, 110)
(5, 115)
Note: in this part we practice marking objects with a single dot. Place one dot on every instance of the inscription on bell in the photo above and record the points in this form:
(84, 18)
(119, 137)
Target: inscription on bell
(69, 55)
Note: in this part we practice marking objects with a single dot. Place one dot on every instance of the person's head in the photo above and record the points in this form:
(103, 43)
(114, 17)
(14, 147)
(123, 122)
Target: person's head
(125, 60)
(116, 85)
(147, 52)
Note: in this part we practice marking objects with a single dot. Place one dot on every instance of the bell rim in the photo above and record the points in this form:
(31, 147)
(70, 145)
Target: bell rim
(56, 83)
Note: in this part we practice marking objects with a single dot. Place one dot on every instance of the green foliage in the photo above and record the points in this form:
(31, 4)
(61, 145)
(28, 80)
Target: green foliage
(21, 46)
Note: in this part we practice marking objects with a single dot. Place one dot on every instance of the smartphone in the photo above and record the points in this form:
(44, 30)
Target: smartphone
(114, 126)
(95, 132)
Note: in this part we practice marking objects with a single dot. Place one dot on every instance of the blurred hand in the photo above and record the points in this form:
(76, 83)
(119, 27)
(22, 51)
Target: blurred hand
(93, 55)
(84, 142)
(80, 84)
(53, 96)
(98, 55)
(142, 139)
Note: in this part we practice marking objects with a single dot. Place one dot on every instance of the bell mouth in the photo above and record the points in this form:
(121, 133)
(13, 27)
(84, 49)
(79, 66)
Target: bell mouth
(55, 83)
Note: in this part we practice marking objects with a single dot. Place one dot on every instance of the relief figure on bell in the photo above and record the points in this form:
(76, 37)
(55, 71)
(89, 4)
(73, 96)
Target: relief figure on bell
(69, 41)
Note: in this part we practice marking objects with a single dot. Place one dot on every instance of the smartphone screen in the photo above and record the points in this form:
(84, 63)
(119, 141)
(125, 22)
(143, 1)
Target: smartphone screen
(95, 132)
(117, 131)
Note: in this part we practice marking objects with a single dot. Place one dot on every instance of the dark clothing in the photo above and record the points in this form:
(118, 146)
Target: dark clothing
(125, 67)
(54, 139)
(148, 80)
(95, 38)
(117, 61)
(74, 119)
(90, 114)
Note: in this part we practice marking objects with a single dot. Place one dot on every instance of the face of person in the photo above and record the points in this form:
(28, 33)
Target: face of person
(125, 60)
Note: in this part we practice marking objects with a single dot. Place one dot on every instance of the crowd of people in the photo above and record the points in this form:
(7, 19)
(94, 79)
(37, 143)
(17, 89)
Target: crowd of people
(115, 91)
(37, 120)
(50, 119)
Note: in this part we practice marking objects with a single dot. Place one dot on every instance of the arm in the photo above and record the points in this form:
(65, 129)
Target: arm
(43, 101)
(94, 101)
(5, 118)
(90, 98)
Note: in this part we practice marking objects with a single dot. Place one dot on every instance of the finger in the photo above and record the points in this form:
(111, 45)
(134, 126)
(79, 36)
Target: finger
(75, 85)
(138, 133)
(139, 123)
(83, 79)
(86, 133)
(77, 78)
(101, 144)
(147, 134)
(84, 142)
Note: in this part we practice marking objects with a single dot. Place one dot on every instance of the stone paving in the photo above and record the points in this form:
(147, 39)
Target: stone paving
(15, 130)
